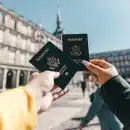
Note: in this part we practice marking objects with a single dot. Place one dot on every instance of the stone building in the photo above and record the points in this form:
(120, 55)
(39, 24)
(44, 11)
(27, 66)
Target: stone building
(120, 59)
(19, 41)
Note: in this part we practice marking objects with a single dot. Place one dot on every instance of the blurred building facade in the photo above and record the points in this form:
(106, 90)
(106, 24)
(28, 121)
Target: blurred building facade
(120, 59)
(19, 41)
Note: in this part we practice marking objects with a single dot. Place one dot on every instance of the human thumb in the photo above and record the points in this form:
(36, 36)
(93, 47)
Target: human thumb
(92, 68)
(56, 74)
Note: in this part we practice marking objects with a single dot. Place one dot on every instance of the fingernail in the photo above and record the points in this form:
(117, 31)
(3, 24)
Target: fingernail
(58, 73)
(86, 62)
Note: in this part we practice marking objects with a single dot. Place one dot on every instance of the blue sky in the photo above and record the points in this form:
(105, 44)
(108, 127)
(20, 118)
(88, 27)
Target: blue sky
(107, 22)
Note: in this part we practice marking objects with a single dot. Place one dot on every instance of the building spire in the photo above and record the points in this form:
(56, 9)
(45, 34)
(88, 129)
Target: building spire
(58, 17)
(59, 30)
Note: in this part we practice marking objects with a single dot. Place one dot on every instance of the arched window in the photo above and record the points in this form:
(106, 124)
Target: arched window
(9, 80)
(21, 78)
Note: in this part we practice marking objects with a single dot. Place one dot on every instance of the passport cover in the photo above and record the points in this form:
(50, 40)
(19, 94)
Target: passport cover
(51, 58)
(76, 47)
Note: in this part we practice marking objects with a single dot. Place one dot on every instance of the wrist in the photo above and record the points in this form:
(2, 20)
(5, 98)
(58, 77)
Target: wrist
(33, 90)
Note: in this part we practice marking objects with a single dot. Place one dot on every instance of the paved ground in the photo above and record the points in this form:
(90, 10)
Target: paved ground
(58, 117)
(74, 121)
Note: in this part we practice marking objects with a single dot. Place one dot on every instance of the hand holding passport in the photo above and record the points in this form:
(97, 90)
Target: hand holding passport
(68, 62)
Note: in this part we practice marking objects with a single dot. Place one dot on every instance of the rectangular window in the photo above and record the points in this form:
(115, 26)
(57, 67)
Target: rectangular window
(18, 41)
(5, 54)
(28, 45)
(30, 30)
(110, 59)
(1, 75)
(117, 64)
(11, 57)
(127, 69)
(32, 47)
(1, 36)
(28, 57)
(121, 58)
(9, 21)
(126, 62)
(22, 59)
(128, 56)
(122, 69)
(121, 63)
(116, 58)
(125, 57)
(6, 37)
(1, 53)
(13, 40)
(22, 28)
(23, 43)
(1, 18)
(17, 57)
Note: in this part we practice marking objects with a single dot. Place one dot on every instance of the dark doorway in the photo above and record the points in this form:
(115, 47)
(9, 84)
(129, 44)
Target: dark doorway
(1, 76)
(9, 80)
(21, 78)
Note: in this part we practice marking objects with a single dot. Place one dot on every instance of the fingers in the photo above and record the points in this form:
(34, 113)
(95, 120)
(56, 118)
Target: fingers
(59, 94)
(33, 75)
(56, 74)
(48, 96)
(92, 68)
(101, 63)
(51, 74)
(94, 79)
(47, 79)
(45, 102)
(54, 87)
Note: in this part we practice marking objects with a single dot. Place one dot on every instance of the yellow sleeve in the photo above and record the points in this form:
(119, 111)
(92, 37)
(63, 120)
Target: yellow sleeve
(17, 110)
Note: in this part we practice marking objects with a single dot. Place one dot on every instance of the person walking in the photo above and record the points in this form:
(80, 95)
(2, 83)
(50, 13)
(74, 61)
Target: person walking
(98, 108)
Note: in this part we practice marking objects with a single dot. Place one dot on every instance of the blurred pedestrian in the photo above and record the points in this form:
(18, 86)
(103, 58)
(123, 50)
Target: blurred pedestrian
(83, 87)
(98, 108)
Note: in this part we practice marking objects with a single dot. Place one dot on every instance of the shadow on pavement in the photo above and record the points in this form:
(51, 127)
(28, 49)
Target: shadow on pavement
(75, 98)
(96, 124)
(76, 105)
(77, 118)
(93, 124)
(72, 128)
